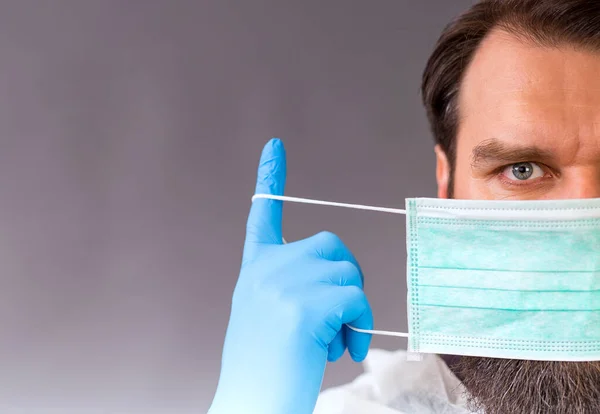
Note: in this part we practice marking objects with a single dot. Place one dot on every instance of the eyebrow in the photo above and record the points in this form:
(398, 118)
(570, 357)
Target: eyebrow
(494, 151)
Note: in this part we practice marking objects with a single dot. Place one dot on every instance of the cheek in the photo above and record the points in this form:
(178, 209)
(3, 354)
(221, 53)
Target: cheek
(468, 188)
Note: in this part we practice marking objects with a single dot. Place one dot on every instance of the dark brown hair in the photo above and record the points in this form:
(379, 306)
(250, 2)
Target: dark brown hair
(543, 22)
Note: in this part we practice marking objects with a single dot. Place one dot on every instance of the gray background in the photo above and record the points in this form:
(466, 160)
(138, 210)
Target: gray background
(130, 133)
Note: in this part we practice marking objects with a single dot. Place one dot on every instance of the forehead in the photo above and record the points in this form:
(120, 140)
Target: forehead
(517, 91)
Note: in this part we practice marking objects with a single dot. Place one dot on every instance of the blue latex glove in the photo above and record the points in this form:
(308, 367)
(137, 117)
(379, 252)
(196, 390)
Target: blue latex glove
(288, 311)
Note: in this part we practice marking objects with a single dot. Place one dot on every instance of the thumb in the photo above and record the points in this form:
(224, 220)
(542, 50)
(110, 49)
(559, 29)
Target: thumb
(264, 220)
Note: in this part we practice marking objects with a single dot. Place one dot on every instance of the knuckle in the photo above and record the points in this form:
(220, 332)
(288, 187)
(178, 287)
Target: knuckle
(348, 274)
(355, 292)
(329, 238)
(349, 269)
(357, 297)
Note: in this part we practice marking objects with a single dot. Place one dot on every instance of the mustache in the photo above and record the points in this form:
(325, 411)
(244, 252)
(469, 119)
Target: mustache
(501, 386)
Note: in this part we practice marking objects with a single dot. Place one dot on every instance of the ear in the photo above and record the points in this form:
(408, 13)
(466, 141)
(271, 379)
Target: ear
(442, 172)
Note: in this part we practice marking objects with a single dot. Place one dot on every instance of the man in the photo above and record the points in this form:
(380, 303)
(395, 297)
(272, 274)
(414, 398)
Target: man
(512, 93)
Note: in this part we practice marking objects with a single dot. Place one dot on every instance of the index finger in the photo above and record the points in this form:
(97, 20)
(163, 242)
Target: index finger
(264, 220)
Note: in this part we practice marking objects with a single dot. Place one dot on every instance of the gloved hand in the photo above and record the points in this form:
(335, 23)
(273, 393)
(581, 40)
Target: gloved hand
(288, 311)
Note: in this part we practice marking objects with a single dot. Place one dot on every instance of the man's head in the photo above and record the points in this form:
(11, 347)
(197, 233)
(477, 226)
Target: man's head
(512, 93)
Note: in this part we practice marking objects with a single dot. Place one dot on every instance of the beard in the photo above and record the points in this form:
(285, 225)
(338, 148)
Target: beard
(505, 386)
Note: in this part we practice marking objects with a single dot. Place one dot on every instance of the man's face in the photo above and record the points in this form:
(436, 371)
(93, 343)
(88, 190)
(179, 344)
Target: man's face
(529, 129)
(529, 123)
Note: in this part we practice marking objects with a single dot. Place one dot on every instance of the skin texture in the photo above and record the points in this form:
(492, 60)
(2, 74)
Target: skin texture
(524, 103)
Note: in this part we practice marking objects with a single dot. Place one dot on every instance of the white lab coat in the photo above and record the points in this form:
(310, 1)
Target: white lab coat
(392, 385)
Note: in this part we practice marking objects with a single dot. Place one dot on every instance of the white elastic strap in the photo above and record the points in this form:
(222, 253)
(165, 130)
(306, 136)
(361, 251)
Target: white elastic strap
(384, 333)
(345, 205)
(328, 203)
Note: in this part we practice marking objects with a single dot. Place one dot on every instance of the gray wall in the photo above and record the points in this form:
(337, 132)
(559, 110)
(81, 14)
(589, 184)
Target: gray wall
(130, 133)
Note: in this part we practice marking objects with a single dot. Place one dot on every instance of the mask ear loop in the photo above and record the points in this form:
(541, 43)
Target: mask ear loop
(345, 205)
(328, 203)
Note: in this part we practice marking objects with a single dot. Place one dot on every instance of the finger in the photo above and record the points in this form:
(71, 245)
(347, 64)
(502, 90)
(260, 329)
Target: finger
(358, 343)
(330, 247)
(264, 220)
(353, 308)
(342, 274)
(337, 346)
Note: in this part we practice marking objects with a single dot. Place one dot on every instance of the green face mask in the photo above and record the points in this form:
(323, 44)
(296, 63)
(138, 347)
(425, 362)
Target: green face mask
(505, 279)
(501, 279)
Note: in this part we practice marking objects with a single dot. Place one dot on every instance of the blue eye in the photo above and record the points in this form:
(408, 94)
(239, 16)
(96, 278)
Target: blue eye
(523, 171)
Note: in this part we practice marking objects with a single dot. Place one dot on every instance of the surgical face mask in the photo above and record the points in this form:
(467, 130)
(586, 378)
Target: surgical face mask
(500, 279)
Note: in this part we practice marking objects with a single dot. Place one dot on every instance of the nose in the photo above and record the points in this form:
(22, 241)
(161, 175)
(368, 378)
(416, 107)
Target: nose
(580, 184)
